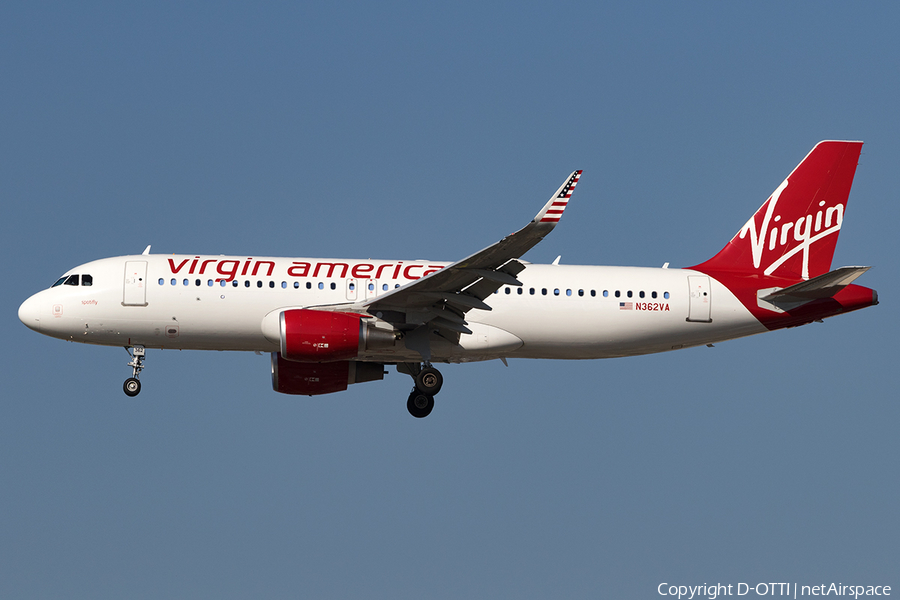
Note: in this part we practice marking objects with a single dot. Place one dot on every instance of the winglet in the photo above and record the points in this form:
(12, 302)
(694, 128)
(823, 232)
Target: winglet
(553, 210)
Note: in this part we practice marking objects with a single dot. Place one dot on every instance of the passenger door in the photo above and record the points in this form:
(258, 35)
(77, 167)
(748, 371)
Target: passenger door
(700, 299)
(135, 293)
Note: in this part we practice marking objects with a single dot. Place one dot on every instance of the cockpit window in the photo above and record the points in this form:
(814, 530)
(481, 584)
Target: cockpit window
(73, 280)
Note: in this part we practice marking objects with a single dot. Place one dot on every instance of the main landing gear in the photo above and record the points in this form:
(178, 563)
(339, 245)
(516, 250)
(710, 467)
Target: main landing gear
(428, 382)
(132, 385)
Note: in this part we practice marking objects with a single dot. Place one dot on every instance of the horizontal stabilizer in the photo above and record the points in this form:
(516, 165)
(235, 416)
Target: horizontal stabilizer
(823, 286)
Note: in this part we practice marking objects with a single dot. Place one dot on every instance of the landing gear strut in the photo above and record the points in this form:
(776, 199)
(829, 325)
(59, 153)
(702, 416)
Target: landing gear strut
(428, 382)
(132, 385)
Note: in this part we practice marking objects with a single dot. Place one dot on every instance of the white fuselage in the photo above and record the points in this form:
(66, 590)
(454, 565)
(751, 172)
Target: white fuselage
(232, 303)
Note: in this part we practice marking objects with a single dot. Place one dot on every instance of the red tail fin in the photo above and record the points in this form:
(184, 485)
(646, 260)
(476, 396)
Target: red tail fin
(794, 233)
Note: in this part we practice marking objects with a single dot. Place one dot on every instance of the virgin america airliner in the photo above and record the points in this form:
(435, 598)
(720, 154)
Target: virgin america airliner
(329, 323)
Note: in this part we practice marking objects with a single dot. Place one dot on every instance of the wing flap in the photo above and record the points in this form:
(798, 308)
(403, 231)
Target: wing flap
(498, 276)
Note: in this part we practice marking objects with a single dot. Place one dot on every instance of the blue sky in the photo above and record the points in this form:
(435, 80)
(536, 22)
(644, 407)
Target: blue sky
(400, 131)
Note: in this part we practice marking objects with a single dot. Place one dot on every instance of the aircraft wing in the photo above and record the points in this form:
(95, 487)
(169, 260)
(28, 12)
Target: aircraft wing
(441, 299)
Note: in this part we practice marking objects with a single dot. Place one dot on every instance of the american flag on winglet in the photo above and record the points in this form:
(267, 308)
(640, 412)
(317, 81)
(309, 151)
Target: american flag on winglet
(626, 305)
(566, 192)
(554, 213)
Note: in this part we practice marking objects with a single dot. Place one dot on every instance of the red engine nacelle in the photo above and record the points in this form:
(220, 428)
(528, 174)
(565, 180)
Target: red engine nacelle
(319, 336)
(312, 379)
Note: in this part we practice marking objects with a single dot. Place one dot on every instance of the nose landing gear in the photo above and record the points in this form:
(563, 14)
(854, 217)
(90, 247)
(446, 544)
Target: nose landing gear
(132, 385)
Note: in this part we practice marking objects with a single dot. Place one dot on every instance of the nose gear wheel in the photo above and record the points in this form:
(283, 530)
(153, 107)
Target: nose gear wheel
(132, 385)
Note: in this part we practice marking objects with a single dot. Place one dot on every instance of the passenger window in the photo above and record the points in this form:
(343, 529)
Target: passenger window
(174, 282)
(222, 283)
(309, 285)
(581, 292)
(629, 294)
(284, 285)
(352, 286)
(519, 291)
(606, 293)
(384, 287)
(234, 283)
(666, 295)
(531, 291)
(507, 291)
(556, 291)
(333, 286)
(653, 294)
(259, 284)
(641, 294)
(594, 293)
(296, 285)
(209, 282)
(568, 292)
(271, 284)
(197, 282)
(162, 281)
(618, 294)
(321, 286)
(543, 291)
(72, 280)
(88, 280)
(247, 283)
(371, 287)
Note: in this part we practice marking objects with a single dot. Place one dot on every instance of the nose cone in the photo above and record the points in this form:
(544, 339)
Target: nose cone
(30, 313)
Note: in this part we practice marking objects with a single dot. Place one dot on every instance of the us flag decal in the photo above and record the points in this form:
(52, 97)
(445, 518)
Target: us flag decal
(566, 192)
(555, 210)
(626, 305)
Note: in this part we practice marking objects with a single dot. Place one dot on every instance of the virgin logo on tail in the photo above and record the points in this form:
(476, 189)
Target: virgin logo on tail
(806, 230)
(794, 232)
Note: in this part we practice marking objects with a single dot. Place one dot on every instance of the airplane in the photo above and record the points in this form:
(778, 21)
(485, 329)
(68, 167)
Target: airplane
(330, 323)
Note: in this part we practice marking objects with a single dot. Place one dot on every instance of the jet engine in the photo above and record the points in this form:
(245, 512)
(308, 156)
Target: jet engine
(318, 336)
